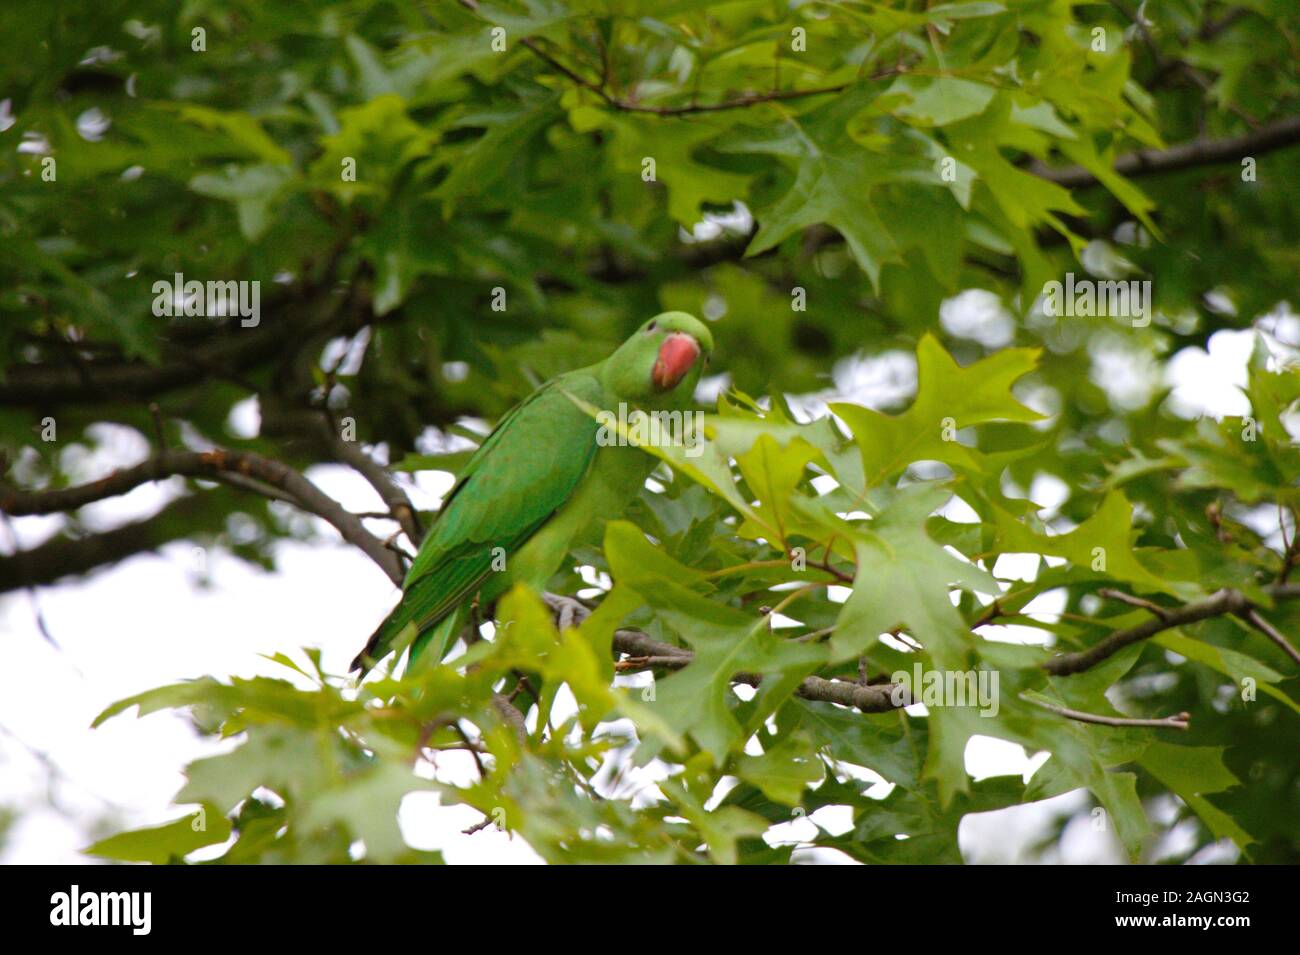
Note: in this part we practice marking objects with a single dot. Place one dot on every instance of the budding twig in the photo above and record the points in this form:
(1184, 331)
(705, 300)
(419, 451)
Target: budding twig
(1179, 722)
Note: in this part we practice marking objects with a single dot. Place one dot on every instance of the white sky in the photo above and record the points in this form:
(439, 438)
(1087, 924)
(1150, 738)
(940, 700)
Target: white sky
(146, 622)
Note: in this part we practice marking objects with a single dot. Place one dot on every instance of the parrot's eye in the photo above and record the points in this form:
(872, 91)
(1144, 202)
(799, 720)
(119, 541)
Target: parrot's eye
(652, 326)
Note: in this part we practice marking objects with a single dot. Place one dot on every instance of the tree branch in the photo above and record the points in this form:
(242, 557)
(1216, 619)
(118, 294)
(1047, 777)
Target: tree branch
(1196, 152)
(740, 102)
(876, 698)
(645, 652)
(1253, 618)
(626, 105)
(232, 467)
(394, 498)
(1110, 593)
(1179, 722)
(1222, 602)
(43, 384)
(64, 557)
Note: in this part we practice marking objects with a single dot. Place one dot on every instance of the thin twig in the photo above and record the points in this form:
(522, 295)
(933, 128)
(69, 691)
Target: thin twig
(478, 826)
(155, 413)
(261, 488)
(841, 576)
(1253, 618)
(1179, 722)
(630, 106)
(1133, 601)
(511, 716)
(991, 613)
(636, 664)
(469, 745)
(379, 478)
(1290, 551)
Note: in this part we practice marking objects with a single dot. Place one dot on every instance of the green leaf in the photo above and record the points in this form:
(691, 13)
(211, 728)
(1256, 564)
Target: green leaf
(927, 101)
(784, 771)
(720, 829)
(833, 185)
(902, 579)
(773, 472)
(673, 144)
(166, 843)
(367, 806)
(242, 129)
(286, 760)
(1189, 769)
(948, 398)
(173, 696)
(375, 142)
(1231, 663)
(508, 134)
(1192, 772)
(1101, 546)
(697, 700)
(255, 191)
(879, 743)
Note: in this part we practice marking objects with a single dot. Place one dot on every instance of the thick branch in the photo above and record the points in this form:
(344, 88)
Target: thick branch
(63, 557)
(233, 350)
(233, 467)
(227, 350)
(1196, 152)
(1216, 605)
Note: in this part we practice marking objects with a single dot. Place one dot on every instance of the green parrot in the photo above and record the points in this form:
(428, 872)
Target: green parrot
(542, 480)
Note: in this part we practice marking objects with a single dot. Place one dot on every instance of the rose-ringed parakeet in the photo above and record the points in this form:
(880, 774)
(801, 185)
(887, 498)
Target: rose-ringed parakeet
(536, 483)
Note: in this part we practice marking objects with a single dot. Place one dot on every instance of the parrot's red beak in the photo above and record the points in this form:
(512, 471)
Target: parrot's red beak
(677, 355)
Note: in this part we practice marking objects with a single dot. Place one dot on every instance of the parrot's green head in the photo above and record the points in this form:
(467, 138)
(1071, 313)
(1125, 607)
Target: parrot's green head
(662, 362)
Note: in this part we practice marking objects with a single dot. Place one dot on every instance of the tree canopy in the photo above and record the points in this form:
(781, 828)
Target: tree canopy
(443, 204)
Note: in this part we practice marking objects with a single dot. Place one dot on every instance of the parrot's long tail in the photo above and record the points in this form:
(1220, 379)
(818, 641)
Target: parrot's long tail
(384, 639)
(402, 628)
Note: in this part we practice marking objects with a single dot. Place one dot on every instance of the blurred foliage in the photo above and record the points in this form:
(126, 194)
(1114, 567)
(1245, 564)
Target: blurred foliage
(503, 225)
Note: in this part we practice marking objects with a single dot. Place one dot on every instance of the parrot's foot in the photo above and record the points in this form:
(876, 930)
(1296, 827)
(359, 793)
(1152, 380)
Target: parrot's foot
(569, 611)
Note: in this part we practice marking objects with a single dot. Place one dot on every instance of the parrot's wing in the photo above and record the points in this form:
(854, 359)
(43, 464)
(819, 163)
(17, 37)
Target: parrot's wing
(523, 473)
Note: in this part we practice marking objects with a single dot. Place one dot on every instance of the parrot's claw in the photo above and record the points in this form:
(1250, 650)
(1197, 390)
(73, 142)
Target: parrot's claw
(569, 611)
